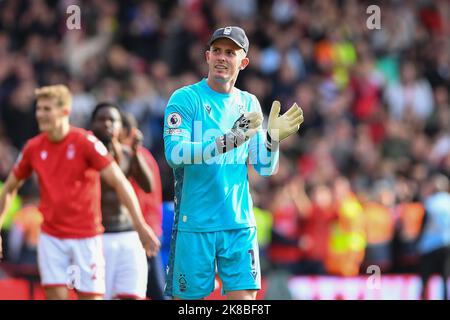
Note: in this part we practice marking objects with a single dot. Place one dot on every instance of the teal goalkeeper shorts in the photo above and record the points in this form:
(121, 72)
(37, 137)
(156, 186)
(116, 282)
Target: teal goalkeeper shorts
(195, 257)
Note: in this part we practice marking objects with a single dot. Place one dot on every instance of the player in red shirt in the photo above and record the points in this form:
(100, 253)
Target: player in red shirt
(68, 162)
(151, 204)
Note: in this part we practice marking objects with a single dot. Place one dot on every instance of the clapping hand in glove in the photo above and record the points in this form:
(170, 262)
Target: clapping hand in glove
(281, 127)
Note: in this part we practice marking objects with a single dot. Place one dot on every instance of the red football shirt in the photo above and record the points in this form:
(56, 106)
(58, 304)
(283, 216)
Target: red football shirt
(69, 181)
(151, 203)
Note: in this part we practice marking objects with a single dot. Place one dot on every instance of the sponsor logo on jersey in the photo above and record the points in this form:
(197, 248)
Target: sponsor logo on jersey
(70, 152)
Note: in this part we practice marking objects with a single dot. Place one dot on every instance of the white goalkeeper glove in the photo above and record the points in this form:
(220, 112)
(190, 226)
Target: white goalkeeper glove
(245, 127)
(281, 127)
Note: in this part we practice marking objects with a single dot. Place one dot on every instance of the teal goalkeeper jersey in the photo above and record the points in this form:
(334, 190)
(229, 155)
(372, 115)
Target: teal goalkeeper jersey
(211, 189)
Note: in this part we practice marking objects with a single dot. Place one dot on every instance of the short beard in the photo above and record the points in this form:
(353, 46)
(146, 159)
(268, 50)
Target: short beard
(225, 80)
(106, 140)
(220, 79)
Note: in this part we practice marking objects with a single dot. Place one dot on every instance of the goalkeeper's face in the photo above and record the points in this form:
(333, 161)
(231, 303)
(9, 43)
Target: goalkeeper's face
(225, 59)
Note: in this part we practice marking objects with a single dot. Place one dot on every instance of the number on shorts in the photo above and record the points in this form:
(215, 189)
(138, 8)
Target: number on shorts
(252, 255)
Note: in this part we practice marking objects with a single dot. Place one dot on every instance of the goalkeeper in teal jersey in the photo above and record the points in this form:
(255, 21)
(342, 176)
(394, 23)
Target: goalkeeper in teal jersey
(212, 131)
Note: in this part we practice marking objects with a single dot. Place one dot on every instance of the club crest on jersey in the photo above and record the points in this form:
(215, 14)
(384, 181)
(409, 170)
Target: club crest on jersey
(208, 109)
(182, 282)
(174, 120)
(44, 154)
(70, 152)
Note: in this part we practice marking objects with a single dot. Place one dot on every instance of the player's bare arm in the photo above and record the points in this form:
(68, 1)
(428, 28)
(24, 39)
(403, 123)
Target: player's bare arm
(114, 176)
(8, 193)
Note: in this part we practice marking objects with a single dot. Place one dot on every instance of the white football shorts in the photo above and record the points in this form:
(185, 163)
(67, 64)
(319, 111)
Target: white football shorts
(76, 263)
(126, 266)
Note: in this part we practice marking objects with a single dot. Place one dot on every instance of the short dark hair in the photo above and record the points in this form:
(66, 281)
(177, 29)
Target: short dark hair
(102, 105)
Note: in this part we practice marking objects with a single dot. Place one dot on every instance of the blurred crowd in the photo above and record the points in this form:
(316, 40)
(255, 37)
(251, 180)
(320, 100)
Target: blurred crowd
(352, 187)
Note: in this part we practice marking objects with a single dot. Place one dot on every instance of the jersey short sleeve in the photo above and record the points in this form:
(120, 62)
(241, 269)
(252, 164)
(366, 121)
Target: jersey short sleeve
(96, 153)
(22, 168)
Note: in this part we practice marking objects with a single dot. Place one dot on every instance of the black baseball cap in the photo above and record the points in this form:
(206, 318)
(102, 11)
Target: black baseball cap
(233, 33)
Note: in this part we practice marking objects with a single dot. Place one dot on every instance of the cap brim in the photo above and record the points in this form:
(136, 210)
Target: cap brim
(226, 37)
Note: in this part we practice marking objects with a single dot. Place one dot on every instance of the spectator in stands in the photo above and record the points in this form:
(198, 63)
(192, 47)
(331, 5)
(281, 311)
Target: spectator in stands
(316, 216)
(346, 77)
(410, 212)
(412, 97)
(379, 220)
(434, 243)
(348, 238)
